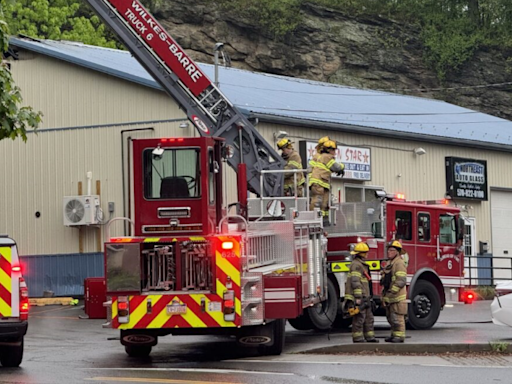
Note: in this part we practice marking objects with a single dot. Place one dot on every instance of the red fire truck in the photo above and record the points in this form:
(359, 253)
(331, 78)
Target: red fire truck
(191, 267)
(431, 233)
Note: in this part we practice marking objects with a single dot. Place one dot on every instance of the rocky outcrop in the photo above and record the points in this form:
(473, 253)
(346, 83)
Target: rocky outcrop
(333, 47)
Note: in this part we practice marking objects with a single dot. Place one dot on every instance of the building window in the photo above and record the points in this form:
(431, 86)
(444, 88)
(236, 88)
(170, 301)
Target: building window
(403, 225)
(423, 227)
(356, 193)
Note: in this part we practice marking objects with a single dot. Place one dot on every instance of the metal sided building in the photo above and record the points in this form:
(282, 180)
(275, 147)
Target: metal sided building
(95, 100)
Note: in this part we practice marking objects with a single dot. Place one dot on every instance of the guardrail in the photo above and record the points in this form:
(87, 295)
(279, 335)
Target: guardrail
(487, 269)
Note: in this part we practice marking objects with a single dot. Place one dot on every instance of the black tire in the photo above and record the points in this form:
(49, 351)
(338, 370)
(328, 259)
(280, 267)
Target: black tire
(342, 323)
(425, 305)
(12, 356)
(322, 315)
(138, 350)
(302, 323)
(278, 333)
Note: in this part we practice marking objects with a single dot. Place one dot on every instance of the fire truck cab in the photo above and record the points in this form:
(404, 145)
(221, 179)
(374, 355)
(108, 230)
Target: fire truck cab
(431, 234)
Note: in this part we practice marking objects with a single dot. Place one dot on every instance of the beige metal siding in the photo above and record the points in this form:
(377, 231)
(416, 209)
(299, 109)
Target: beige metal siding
(73, 96)
(421, 177)
(38, 174)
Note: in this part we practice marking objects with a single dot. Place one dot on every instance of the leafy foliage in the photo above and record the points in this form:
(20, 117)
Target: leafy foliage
(56, 20)
(14, 120)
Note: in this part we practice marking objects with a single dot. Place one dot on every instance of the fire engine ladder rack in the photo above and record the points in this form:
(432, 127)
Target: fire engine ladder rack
(278, 206)
(221, 117)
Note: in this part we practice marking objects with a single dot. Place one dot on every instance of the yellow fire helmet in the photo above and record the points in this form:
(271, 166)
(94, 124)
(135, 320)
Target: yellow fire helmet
(323, 140)
(284, 143)
(330, 144)
(361, 247)
(395, 244)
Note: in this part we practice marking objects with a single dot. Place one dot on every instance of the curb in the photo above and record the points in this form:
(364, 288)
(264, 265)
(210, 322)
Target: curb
(409, 348)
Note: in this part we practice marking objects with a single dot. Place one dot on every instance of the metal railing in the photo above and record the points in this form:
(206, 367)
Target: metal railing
(270, 242)
(487, 269)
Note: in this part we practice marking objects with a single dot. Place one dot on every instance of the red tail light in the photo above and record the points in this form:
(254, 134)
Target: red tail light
(24, 304)
(123, 309)
(469, 297)
(16, 268)
(228, 306)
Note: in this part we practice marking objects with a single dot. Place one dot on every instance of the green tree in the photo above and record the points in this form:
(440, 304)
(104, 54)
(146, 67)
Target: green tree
(57, 20)
(14, 119)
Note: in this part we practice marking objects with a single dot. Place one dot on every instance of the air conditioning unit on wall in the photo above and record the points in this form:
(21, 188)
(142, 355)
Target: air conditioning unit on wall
(81, 210)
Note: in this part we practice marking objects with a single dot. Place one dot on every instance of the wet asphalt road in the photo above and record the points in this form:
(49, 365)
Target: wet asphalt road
(61, 348)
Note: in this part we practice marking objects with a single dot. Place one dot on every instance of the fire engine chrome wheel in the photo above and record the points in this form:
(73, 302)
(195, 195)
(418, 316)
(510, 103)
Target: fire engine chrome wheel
(322, 315)
(425, 306)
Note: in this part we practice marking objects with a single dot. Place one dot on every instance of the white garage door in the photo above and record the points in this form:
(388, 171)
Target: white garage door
(501, 225)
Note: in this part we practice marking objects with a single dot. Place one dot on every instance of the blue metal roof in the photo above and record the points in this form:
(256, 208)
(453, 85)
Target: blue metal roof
(311, 103)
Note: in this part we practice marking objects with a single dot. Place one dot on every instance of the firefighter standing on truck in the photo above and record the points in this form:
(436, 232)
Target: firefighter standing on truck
(293, 161)
(320, 181)
(393, 280)
(358, 293)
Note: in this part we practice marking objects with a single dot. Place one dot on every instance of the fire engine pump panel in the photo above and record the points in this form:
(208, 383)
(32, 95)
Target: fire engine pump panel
(191, 267)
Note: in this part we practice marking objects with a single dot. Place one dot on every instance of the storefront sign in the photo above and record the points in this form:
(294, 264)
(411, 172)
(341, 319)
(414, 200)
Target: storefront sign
(357, 160)
(466, 178)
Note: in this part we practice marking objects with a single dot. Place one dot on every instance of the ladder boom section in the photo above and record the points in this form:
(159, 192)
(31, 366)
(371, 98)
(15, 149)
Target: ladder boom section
(206, 107)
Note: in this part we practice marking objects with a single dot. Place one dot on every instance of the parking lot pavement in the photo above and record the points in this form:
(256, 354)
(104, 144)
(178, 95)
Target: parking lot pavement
(458, 325)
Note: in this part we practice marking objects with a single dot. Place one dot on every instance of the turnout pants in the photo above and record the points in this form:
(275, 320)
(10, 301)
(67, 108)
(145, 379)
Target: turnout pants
(395, 314)
(362, 325)
(319, 198)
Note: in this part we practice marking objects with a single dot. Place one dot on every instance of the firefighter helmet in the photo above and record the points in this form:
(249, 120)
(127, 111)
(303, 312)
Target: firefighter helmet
(323, 140)
(361, 247)
(284, 143)
(395, 244)
(330, 144)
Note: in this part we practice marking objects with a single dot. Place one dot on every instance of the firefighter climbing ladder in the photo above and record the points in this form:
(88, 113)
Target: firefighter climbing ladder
(205, 105)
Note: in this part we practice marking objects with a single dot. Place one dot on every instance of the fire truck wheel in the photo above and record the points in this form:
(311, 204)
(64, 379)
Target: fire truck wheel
(425, 306)
(302, 323)
(276, 348)
(11, 356)
(322, 315)
(137, 350)
(341, 322)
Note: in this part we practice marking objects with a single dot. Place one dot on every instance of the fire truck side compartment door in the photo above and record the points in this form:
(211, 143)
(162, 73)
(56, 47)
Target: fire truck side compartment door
(282, 297)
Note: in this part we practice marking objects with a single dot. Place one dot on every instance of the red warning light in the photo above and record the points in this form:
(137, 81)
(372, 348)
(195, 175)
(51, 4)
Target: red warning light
(400, 196)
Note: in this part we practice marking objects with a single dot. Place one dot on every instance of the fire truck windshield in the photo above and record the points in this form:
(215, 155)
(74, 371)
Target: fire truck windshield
(173, 174)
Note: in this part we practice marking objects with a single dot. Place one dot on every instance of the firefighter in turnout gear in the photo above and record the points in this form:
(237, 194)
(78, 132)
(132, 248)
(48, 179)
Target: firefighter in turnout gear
(320, 181)
(293, 161)
(358, 293)
(393, 281)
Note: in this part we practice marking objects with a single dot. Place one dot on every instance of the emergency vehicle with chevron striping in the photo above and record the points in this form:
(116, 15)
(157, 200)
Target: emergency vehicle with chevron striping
(191, 266)
(14, 304)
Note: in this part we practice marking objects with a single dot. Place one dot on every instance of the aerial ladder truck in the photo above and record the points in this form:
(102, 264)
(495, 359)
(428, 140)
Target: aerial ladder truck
(190, 267)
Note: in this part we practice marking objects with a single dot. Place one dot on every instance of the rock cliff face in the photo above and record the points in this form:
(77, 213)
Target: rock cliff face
(333, 47)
